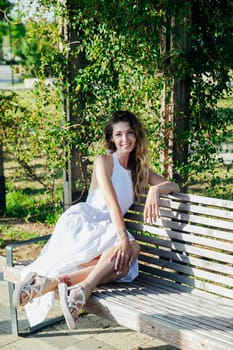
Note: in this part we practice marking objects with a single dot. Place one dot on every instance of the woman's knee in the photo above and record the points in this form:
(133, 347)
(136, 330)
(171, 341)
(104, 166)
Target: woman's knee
(124, 272)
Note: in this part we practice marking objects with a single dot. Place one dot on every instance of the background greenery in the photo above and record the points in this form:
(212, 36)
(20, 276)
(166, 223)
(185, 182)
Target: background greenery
(122, 66)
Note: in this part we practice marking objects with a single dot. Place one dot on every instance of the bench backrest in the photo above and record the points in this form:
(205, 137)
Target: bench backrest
(190, 247)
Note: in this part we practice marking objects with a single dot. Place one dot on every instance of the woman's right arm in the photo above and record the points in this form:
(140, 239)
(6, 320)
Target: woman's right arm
(103, 167)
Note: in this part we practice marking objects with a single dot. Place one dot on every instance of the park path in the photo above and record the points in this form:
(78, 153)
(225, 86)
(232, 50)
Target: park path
(8, 79)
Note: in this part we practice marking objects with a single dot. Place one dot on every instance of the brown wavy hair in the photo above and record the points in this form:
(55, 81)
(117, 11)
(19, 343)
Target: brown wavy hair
(138, 159)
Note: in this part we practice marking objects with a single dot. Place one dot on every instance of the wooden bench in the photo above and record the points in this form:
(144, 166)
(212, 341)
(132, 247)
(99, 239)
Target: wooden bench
(184, 293)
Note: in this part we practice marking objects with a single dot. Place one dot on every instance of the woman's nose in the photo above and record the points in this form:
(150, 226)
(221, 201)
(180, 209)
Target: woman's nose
(124, 137)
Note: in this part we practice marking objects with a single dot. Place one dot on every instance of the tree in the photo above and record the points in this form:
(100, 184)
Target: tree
(123, 54)
(198, 43)
(103, 78)
(197, 61)
(30, 48)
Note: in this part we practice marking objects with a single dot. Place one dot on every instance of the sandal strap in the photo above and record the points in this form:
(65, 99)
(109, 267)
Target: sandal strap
(76, 302)
(37, 289)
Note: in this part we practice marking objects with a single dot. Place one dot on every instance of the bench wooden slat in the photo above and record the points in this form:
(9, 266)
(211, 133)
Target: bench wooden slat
(196, 209)
(11, 274)
(153, 301)
(152, 306)
(199, 325)
(186, 228)
(183, 197)
(187, 259)
(189, 249)
(177, 286)
(217, 301)
(201, 241)
(193, 283)
(211, 305)
(190, 284)
(190, 218)
(187, 269)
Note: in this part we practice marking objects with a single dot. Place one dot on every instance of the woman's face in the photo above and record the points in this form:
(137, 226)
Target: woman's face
(124, 137)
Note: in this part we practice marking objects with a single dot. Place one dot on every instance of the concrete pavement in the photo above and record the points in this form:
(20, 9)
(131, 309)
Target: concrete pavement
(92, 333)
(8, 79)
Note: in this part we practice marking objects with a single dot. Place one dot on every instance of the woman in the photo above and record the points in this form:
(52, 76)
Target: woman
(90, 244)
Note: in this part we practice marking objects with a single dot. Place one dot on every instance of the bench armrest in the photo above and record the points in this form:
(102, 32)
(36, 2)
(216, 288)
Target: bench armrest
(11, 247)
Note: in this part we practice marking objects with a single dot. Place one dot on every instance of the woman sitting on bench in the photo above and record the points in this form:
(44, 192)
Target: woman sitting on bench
(90, 244)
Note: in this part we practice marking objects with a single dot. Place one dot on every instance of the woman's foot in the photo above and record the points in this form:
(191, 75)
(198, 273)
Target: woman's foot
(32, 286)
(71, 300)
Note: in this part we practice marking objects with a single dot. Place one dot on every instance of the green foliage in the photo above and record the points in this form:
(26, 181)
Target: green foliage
(5, 7)
(33, 207)
(32, 48)
(124, 62)
(33, 129)
(123, 66)
(120, 70)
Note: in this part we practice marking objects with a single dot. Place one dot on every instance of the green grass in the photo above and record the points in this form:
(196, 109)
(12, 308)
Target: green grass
(11, 234)
(32, 205)
(217, 184)
(226, 102)
(27, 199)
(218, 181)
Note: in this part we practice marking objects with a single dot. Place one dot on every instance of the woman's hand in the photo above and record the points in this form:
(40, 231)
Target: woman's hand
(123, 255)
(151, 210)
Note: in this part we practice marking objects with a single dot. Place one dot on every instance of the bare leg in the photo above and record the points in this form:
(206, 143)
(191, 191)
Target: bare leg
(102, 273)
(51, 284)
(98, 271)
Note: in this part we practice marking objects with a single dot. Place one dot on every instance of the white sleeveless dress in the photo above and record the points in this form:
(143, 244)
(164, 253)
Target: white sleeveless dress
(83, 232)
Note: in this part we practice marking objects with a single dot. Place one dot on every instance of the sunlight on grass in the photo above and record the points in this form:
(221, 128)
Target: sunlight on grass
(217, 184)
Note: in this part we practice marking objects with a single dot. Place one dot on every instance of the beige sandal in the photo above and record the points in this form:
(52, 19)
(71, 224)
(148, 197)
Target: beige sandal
(69, 302)
(28, 287)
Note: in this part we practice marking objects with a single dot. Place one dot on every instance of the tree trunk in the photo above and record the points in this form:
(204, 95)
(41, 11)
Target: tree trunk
(175, 103)
(181, 111)
(75, 175)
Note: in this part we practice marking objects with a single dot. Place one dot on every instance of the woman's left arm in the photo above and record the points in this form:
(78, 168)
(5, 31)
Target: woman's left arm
(159, 185)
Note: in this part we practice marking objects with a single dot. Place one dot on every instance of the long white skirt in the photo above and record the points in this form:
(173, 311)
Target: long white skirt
(81, 234)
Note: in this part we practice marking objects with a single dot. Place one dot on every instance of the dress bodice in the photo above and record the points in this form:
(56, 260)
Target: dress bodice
(122, 183)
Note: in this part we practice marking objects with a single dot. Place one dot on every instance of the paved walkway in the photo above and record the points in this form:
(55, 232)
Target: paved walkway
(93, 333)
(7, 77)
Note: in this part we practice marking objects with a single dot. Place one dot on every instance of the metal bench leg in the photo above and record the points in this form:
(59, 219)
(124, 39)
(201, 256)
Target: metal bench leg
(13, 311)
(15, 322)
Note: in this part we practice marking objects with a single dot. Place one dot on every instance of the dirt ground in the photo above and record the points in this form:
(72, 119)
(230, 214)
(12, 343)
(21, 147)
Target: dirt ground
(26, 252)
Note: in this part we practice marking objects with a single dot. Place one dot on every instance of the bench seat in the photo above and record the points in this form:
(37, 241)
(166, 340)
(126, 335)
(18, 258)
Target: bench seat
(183, 319)
(184, 292)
